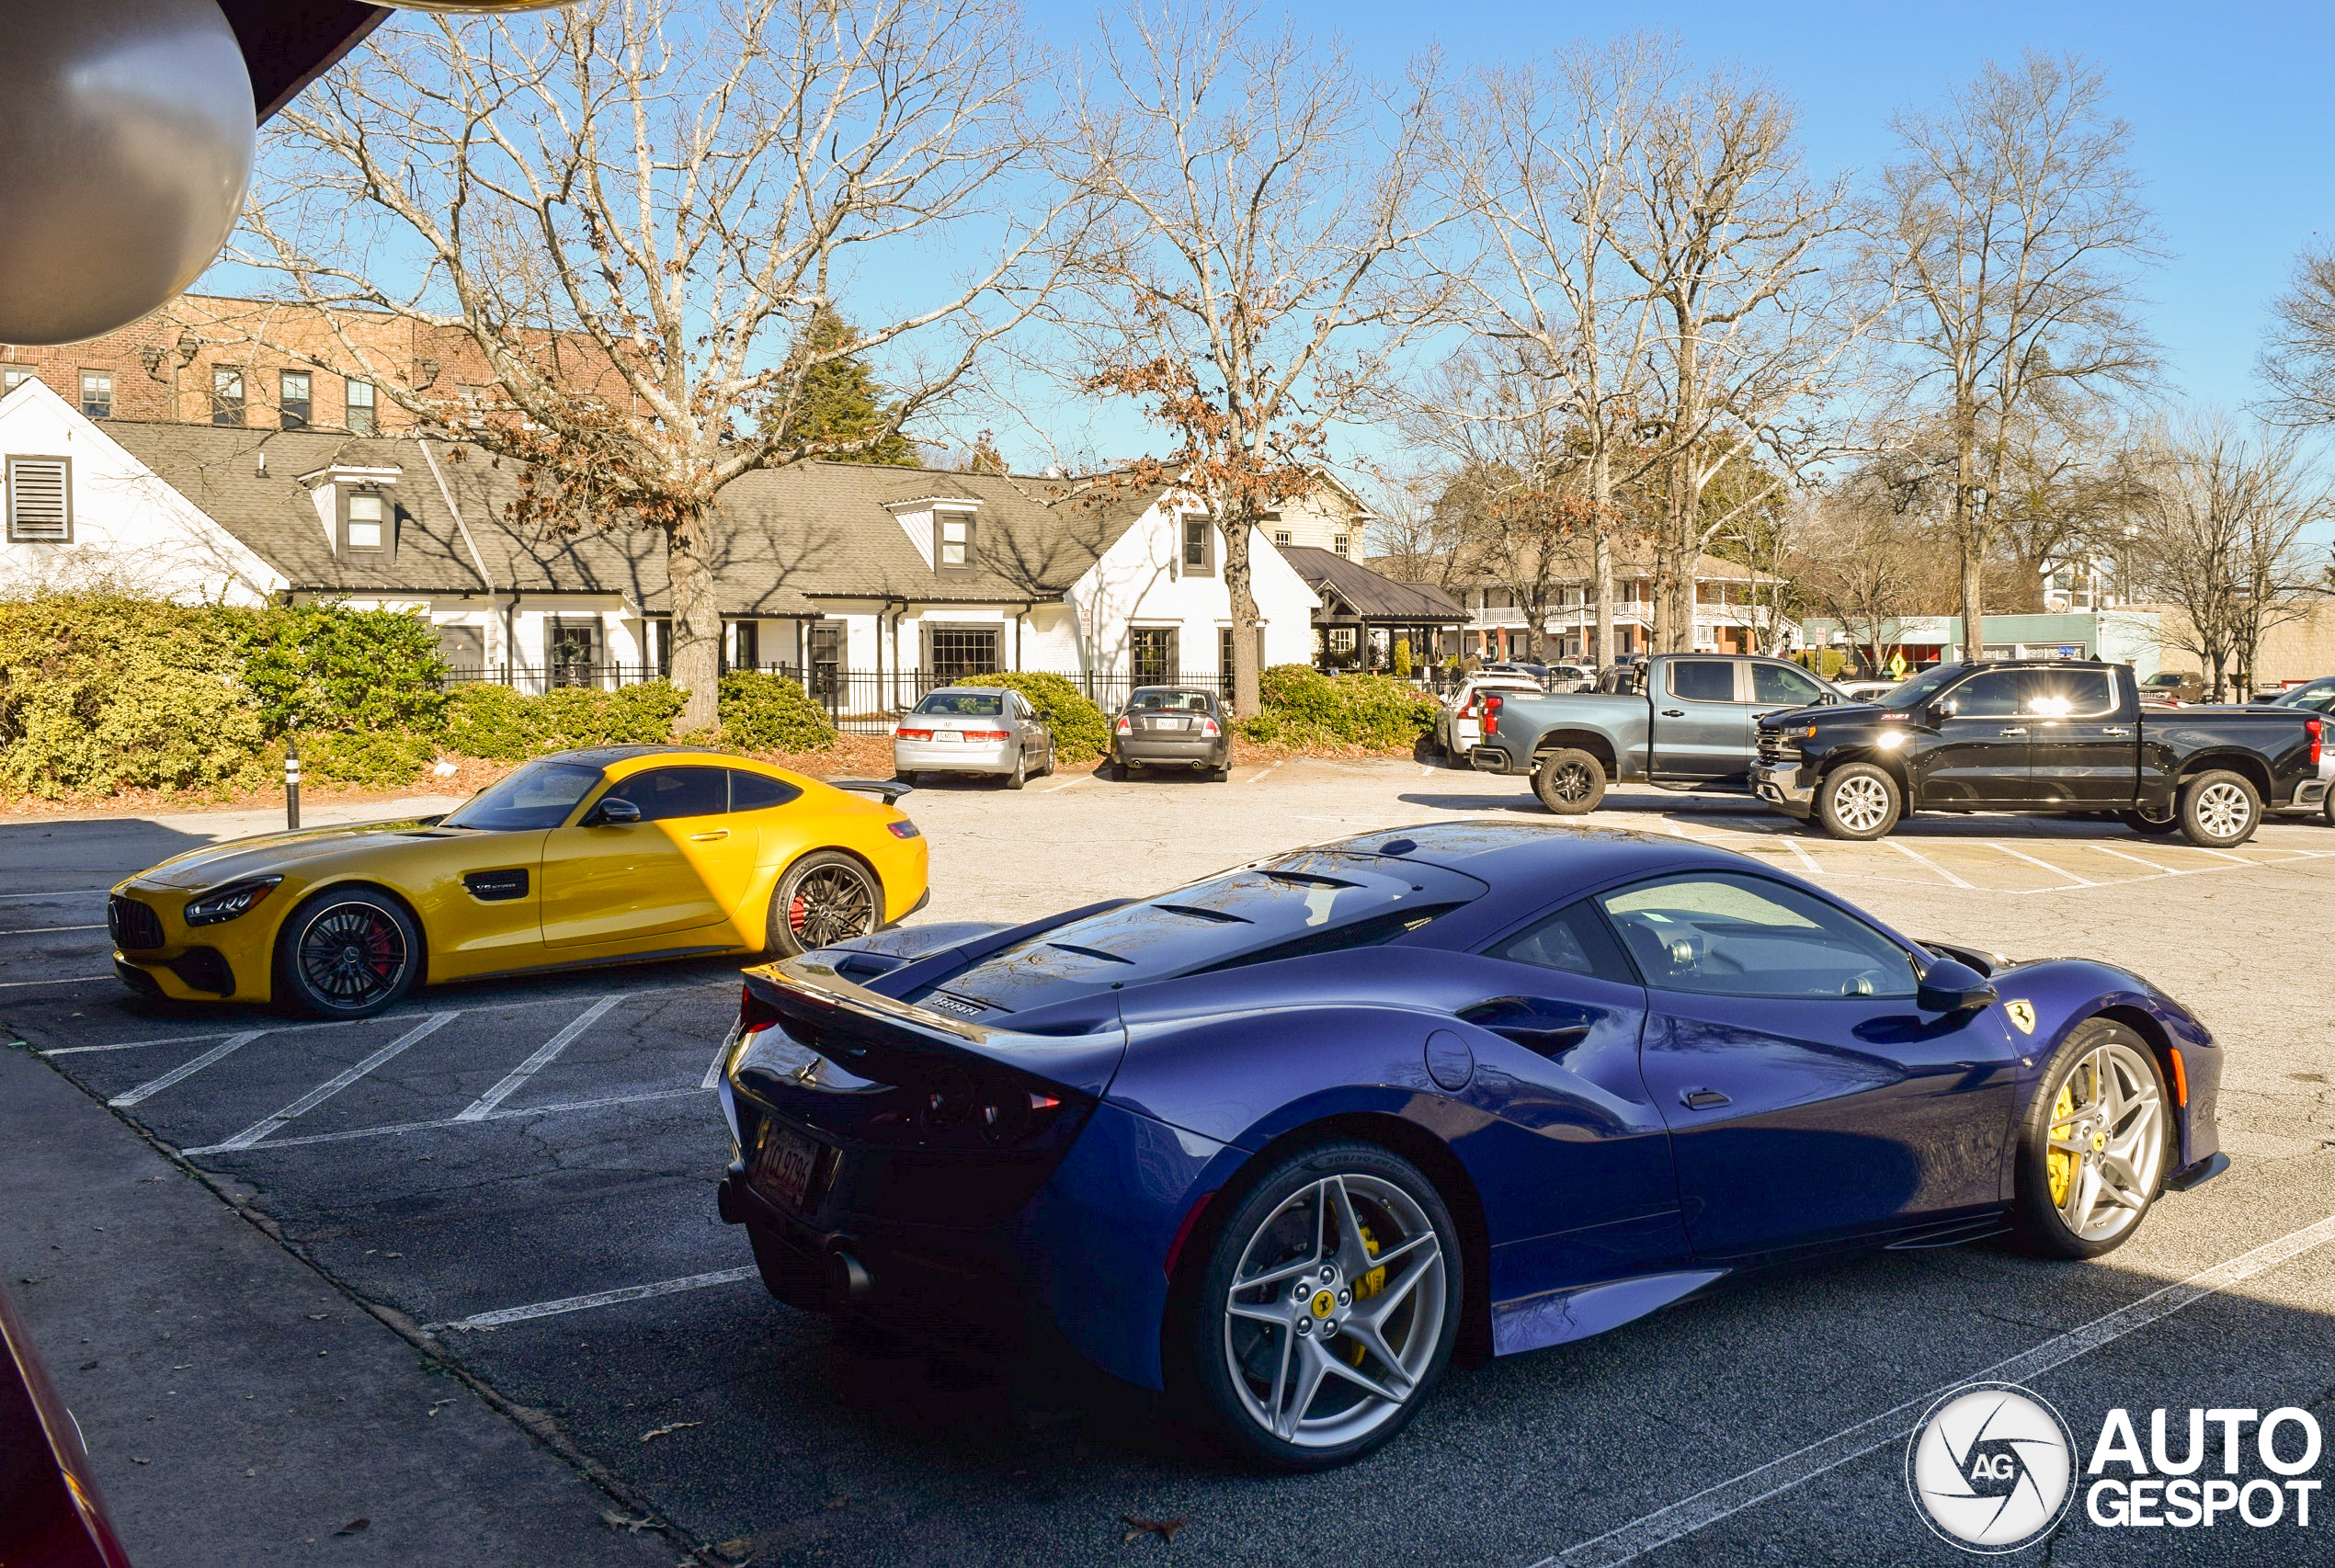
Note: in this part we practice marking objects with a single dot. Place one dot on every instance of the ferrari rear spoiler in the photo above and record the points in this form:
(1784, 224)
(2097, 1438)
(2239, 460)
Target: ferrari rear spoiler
(890, 789)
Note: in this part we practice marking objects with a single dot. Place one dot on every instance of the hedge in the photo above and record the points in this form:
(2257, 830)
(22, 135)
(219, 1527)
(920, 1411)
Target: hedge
(326, 667)
(501, 725)
(378, 759)
(1080, 732)
(1303, 707)
(767, 712)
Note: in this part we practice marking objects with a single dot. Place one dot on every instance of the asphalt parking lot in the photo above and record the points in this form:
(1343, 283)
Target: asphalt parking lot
(501, 1195)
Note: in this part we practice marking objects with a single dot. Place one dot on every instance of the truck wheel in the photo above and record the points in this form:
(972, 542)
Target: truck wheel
(1859, 802)
(1569, 782)
(2219, 810)
(2148, 826)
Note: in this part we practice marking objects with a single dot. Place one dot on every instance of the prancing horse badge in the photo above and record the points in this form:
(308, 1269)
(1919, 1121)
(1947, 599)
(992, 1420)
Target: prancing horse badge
(2022, 1014)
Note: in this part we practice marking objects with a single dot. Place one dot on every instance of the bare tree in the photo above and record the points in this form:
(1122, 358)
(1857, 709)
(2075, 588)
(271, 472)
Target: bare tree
(2298, 360)
(1866, 557)
(627, 217)
(2217, 536)
(1259, 263)
(2011, 229)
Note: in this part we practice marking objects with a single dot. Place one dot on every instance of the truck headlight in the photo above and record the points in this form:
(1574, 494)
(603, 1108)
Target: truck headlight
(226, 903)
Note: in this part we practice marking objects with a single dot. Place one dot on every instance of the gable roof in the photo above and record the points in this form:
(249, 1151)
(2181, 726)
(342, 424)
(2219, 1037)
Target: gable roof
(1350, 587)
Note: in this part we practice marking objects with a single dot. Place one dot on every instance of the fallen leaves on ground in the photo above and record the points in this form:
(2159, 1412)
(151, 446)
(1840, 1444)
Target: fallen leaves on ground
(1164, 1529)
(662, 1431)
(616, 1521)
(352, 1527)
(735, 1550)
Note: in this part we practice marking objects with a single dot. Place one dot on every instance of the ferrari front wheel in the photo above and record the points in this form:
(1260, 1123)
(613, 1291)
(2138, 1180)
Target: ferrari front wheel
(825, 898)
(348, 954)
(1325, 1311)
(2093, 1148)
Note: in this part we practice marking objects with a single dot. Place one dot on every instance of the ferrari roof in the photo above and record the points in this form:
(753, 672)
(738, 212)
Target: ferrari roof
(1504, 853)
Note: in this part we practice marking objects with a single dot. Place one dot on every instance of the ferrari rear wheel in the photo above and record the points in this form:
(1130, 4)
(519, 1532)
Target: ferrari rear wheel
(2093, 1150)
(348, 954)
(1327, 1309)
(825, 898)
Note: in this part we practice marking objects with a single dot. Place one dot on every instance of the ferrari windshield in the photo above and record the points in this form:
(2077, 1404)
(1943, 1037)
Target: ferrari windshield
(538, 795)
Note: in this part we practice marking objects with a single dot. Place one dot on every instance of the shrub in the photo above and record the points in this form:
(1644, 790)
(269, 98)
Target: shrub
(1303, 707)
(494, 723)
(100, 691)
(767, 712)
(374, 760)
(326, 667)
(1403, 657)
(1079, 730)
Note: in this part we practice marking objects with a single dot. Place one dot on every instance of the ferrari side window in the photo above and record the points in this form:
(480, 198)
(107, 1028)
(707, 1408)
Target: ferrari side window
(1741, 935)
(758, 792)
(663, 793)
(1574, 939)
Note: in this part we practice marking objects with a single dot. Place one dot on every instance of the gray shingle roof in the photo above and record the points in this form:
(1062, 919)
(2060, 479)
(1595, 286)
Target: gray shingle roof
(1350, 587)
(780, 540)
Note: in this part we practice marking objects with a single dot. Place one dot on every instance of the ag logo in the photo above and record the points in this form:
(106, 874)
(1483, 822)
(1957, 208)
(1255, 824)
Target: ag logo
(2022, 1014)
(1991, 1467)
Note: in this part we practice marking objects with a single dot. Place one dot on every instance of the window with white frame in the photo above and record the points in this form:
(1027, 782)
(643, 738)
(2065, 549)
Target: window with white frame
(365, 518)
(96, 394)
(359, 404)
(226, 397)
(1282, 536)
(295, 399)
(39, 500)
(1340, 543)
(952, 541)
(14, 376)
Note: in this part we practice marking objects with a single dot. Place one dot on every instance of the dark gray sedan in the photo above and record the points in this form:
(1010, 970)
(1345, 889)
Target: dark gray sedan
(1172, 726)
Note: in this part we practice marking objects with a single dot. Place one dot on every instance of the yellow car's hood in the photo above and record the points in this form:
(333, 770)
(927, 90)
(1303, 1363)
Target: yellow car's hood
(272, 852)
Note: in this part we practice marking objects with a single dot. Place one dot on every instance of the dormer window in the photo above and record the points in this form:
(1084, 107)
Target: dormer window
(365, 522)
(952, 541)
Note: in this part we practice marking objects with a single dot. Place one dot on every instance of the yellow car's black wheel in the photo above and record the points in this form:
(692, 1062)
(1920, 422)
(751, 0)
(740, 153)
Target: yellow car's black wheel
(824, 898)
(347, 954)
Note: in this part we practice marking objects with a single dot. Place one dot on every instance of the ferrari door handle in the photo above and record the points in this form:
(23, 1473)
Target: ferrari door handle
(709, 838)
(1702, 1099)
(1674, 712)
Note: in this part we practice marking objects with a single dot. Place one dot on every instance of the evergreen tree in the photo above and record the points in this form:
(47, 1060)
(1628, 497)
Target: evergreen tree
(842, 403)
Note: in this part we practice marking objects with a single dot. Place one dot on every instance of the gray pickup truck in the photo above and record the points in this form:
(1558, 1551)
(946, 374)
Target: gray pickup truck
(1685, 720)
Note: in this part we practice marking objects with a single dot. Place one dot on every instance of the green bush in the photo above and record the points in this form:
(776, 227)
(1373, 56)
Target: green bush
(374, 760)
(494, 723)
(1303, 707)
(767, 712)
(100, 691)
(1079, 730)
(326, 667)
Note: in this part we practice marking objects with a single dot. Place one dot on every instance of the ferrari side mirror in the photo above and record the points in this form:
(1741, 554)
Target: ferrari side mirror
(614, 811)
(1948, 986)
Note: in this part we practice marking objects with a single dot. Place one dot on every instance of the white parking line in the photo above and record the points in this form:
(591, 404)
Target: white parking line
(185, 1070)
(1707, 1507)
(1800, 853)
(1068, 783)
(485, 1105)
(2160, 870)
(45, 930)
(333, 1085)
(1260, 778)
(2021, 854)
(1916, 856)
(69, 892)
(69, 980)
(598, 1299)
(399, 1129)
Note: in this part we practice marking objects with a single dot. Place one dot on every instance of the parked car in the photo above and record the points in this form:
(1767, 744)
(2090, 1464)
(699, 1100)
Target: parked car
(2172, 688)
(1571, 677)
(1695, 728)
(1537, 674)
(1457, 726)
(984, 731)
(1267, 1142)
(2317, 696)
(604, 856)
(2051, 735)
(1172, 726)
(1865, 690)
(51, 1514)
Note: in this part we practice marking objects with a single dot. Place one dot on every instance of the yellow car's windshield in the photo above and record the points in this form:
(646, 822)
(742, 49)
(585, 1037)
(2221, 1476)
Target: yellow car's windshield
(538, 795)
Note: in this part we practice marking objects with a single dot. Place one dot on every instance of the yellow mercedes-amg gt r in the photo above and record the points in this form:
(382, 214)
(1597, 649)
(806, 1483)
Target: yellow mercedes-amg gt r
(616, 854)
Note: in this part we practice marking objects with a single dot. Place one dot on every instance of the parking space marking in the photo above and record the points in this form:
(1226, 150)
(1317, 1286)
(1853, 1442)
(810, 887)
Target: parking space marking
(331, 1086)
(598, 1299)
(399, 1129)
(2073, 879)
(1708, 1506)
(485, 1105)
(69, 892)
(2160, 870)
(147, 1090)
(1081, 778)
(46, 930)
(197, 1038)
(1919, 858)
(1800, 853)
(69, 980)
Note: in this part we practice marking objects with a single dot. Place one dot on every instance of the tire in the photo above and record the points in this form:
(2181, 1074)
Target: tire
(824, 898)
(2148, 826)
(2119, 1141)
(1226, 1367)
(1219, 775)
(1859, 802)
(1020, 774)
(346, 953)
(2219, 810)
(1569, 781)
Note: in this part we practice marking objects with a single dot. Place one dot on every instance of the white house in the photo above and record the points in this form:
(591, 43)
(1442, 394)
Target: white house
(866, 579)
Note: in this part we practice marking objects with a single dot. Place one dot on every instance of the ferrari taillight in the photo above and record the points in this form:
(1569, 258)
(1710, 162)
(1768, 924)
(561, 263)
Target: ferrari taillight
(755, 1015)
(1491, 714)
(2315, 726)
(1015, 1115)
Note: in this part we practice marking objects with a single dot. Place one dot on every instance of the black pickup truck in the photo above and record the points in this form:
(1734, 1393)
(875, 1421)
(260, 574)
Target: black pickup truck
(2055, 736)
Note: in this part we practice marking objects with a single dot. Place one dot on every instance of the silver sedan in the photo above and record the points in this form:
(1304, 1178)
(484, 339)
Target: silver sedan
(973, 729)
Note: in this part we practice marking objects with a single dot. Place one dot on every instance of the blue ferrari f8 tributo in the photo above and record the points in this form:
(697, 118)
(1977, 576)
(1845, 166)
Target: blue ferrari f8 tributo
(1281, 1140)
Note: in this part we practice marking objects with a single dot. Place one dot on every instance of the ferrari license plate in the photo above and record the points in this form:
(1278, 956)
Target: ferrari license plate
(784, 1164)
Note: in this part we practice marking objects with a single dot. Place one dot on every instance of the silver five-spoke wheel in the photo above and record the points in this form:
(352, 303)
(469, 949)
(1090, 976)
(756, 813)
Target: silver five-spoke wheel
(2107, 1145)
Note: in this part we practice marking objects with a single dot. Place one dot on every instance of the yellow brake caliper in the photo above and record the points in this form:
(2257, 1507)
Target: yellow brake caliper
(1368, 1285)
(2058, 1162)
